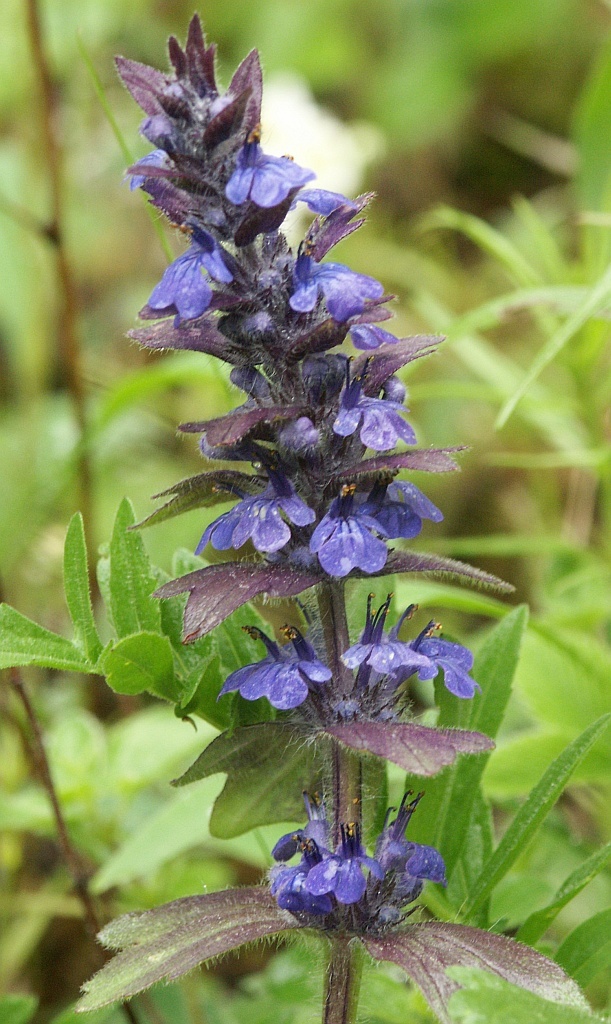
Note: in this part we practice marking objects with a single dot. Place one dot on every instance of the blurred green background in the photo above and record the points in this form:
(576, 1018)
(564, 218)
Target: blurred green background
(484, 126)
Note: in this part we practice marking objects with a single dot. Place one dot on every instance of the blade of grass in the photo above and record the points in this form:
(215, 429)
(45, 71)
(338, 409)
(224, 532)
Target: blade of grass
(538, 923)
(532, 813)
(596, 301)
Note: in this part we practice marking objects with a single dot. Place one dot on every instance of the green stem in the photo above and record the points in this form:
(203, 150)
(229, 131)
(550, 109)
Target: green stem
(342, 981)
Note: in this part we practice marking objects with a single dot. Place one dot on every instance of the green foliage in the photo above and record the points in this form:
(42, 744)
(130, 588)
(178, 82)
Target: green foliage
(130, 579)
(487, 999)
(76, 588)
(268, 767)
(532, 813)
(140, 663)
(535, 499)
(587, 950)
(23, 642)
(538, 923)
(17, 1009)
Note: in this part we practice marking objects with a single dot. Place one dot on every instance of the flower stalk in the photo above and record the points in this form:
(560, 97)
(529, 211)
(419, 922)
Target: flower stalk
(342, 981)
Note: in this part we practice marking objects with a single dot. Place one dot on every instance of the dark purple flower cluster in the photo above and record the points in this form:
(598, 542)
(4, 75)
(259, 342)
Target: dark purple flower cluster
(381, 663)
(375, 889)
(240, 293)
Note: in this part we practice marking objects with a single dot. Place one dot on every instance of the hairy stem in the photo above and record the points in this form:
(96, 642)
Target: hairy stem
(343, 974)
(346, 769)
(342, 981)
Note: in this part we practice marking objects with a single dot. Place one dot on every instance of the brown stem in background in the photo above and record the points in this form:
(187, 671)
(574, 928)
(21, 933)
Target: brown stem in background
(70, 855)
(41, 761)
(69, 354)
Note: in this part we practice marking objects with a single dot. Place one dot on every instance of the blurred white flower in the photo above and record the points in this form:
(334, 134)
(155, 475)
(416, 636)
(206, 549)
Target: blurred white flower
(295, 125)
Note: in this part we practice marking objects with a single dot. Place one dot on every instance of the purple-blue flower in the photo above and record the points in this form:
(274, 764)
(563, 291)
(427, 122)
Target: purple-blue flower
(285, 676)
(317, 828)
(265, 180)
(258, 518)
(368, 336)
(320, 200)
(183, 287)
(346, 292)
(288, 884)
(399, 508)
(455, 660)
(379, 419)
(342, 872)
(344, 539)
(411, 863)
(158, 158)
(381, 651)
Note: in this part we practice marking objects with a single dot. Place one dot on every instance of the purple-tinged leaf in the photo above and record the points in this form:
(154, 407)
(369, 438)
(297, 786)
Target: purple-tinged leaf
(425, 951)
(227, 121)
(323, 336)
(427, 460)
(231, 428)
(177, 56)
(417, 749)
(200, 59)
(435, 565)
(261, 220)
(375, 311)
(144, 83)
(216, 591)
(330, 333)
(199, 335)
(169, 941)
(248, 75)
(387, 359)
(170, 199)
(327, 232)
(201, 491)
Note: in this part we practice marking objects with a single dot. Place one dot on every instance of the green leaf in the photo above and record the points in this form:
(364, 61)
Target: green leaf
(485, 998)
(268, 766)
(532, 813)
(23, 642)
(142, 662)
(76, 587)
(520, 761)
(131, 580)
(179, 825)
(593, 136)
(538, 923)
(564, 677)
(17, 1009)
(587, 950)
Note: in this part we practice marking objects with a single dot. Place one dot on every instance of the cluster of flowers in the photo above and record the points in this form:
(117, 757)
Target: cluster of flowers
(314, 507)
(291, 673)
(324, 883)
(241, 294)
